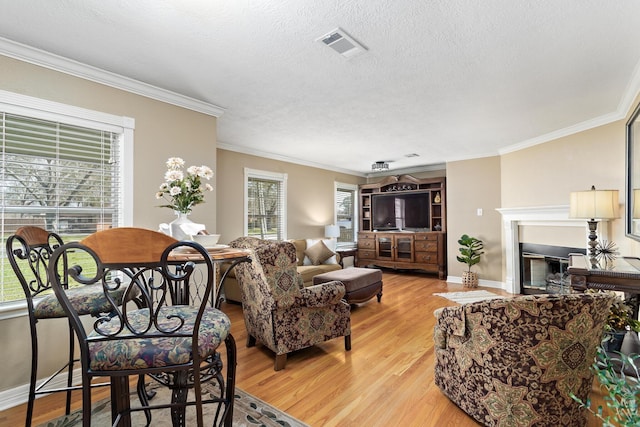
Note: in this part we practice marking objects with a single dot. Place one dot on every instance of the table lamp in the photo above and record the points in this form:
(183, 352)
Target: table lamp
(636, 204)
(331, 231)
(592, 205)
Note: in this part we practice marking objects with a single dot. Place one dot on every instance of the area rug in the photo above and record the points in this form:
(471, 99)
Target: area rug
(469, 296)
(248, 411)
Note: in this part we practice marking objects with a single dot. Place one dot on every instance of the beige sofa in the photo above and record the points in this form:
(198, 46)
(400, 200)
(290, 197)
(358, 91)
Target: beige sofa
(231, 288)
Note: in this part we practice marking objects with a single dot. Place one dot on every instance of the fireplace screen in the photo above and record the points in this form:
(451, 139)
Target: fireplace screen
(543, 268)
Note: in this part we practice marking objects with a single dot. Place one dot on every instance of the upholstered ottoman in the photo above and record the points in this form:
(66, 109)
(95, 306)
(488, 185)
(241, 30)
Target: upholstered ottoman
(361, 283)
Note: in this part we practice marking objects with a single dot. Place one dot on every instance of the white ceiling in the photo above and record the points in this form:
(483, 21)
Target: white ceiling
(444, 79)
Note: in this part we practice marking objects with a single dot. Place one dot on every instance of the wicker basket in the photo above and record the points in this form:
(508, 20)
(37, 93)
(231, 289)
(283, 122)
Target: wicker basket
(469, 279)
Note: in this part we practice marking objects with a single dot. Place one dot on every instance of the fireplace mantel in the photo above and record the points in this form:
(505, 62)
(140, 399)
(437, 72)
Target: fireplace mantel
(512, 218)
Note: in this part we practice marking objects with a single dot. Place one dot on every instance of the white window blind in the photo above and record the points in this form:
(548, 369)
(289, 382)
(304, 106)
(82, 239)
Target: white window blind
(265, 205)
(61, 177)
(345, 212)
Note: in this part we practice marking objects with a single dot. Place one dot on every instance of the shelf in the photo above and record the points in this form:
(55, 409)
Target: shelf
(432, 188)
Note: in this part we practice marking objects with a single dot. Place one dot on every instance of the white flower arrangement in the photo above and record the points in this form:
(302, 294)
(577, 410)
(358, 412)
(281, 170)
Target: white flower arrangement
(184, 191)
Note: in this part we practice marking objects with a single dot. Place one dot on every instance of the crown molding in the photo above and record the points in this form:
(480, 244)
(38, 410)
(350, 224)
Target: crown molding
(571, 130)
(48, 60)
(409, 170)
(624, 107)
(273, 156)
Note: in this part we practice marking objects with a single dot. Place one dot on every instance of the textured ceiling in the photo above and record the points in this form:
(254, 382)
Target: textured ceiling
(447, 79)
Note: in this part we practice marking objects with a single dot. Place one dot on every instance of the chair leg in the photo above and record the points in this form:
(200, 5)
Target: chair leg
(251, 341)
(70, 368)
(281, 360)
(34, 374)
(179, 396)
(86, 399)
(230, 343)
(144, 397)
(347, 342)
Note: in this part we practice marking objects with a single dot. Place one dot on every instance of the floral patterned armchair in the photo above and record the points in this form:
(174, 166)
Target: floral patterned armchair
(515, 361)
(278, 310)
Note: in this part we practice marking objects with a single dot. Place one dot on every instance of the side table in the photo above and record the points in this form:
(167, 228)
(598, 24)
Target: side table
(347, 252)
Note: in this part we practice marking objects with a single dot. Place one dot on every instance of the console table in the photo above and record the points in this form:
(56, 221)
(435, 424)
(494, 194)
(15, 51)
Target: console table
(622, 274)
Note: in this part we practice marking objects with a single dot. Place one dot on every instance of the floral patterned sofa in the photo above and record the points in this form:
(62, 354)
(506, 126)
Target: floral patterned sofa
(515, 361)
(281, 313)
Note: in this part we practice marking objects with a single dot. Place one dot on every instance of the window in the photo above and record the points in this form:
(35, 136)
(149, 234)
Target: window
(345, 213)
(265, 204)
(61, 169)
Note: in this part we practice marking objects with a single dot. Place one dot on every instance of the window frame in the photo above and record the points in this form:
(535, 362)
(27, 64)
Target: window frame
(28, 106)
(355, 219)
(266, 175)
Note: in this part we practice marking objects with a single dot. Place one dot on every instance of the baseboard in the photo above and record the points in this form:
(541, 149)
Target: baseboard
(19, 395)
(484, 283)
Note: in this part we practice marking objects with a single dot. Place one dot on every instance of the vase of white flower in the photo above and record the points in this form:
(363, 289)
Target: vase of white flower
(183, 191)
(176, 229)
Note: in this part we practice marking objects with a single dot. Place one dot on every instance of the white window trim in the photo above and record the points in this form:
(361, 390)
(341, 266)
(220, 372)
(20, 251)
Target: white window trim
(54, 111)
(29, 106)
(260, 174)
(356, 219)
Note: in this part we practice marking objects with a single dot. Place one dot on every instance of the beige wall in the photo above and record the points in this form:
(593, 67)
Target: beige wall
(544, 175)
(162, 131)
(310, 194)
(473, 185)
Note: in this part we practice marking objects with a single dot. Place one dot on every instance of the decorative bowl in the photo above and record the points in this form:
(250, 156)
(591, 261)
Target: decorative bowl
(206, 240)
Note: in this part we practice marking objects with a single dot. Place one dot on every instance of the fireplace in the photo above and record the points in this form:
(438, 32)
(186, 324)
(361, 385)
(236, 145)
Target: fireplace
(543, 268)
(514, 219)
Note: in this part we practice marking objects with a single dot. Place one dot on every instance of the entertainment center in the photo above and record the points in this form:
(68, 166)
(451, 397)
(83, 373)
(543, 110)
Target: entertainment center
(403, 224)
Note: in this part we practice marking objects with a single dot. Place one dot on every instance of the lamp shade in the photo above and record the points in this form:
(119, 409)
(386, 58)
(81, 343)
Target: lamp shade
(636, 203)
(331, 231)
(592, 204)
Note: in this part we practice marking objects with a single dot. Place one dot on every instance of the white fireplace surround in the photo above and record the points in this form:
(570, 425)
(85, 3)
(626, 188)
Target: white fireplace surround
(512, 218)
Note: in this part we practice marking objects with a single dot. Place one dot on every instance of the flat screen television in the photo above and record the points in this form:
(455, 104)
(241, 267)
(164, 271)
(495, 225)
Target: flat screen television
(395, 211)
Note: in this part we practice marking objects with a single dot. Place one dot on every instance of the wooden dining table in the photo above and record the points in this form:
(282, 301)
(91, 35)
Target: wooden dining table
(219, 255)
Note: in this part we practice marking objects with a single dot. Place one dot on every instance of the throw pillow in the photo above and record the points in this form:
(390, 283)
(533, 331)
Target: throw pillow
(318, 253)
(329, 243)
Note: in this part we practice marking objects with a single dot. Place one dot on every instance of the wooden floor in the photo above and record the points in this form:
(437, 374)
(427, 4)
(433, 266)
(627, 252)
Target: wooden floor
(385, 380)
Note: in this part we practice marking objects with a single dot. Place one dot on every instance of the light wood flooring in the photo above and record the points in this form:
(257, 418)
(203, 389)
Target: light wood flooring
(385, 380)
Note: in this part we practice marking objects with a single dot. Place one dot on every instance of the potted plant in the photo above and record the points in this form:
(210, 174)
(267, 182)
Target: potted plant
(619, 322)
(470, 251)
(621, 391)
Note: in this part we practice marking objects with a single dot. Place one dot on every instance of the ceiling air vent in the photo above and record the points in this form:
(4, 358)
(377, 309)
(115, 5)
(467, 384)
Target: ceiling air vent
(340, 41)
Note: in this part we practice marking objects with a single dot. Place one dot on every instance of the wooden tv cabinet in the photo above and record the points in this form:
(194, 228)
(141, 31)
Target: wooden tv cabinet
(423, 248)
(404, 250)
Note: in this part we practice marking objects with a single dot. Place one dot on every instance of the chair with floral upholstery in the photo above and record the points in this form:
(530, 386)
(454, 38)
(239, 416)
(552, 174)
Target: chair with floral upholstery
(516, 361)
(29, 251)
(279, 311)
(161, 329)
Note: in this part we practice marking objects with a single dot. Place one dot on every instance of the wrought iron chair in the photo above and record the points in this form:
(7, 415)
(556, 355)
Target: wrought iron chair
(29, 251)
(159, 330)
